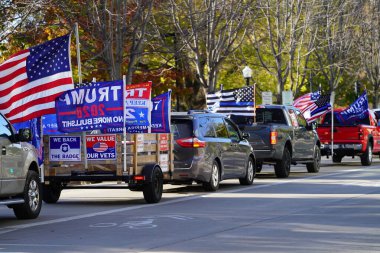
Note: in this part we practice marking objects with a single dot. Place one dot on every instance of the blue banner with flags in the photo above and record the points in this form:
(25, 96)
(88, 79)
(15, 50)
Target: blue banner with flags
(90, 108)
(357, 110)
(160, 117)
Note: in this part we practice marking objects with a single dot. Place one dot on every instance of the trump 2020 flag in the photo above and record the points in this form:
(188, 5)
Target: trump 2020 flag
(357, 110)
(31, 80)
(161, 113)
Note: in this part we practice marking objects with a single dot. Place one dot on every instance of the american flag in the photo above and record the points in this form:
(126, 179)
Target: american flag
(31, 80)
(235, 101)
(306, 100)
(100, 147)
(318, 108)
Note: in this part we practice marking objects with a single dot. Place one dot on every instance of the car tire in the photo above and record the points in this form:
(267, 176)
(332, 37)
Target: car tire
(366, 158)
(152, 191)
(282, 167)
(315, 165)
(31, 208)
(250, 173)
(213, 184)
(337, 158)
(259, 167)
(51, 193)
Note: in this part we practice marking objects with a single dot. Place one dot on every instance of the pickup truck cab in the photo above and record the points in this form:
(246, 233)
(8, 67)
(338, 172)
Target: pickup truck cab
(281, 136)
(19, 173)
(360, 137)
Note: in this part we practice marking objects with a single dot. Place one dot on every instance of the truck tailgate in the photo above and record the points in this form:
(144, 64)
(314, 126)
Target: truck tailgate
(259, 136)
(341, 133)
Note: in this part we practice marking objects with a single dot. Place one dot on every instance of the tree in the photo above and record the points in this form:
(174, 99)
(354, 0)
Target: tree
(276, 38)
(369, 45)
(210, 31)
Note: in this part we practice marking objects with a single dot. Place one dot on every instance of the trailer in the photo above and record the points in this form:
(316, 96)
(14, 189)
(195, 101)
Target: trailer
(82, 161)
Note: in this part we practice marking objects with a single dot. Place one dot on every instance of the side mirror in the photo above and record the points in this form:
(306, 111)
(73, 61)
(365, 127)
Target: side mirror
(25, 134)
(311, 126)
(245, 135)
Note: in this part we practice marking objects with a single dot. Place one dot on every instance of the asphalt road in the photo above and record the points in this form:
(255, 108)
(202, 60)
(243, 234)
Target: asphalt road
(336, 210)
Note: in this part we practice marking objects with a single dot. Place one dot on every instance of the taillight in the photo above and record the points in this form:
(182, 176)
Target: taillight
(361, 134)
(273, 137)
(191, 143)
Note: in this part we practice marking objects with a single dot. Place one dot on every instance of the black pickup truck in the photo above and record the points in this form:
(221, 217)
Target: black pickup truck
(281, 136)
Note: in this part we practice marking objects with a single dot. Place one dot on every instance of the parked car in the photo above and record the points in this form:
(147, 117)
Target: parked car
(359, 137)
(209, 148)
(20, 187)
(281, 136)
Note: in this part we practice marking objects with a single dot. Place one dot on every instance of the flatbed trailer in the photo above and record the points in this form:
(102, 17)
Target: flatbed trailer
(148, 163)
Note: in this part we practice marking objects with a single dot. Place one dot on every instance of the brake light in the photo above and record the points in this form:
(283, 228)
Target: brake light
(361, 134)
(273, 137)
(191, 143)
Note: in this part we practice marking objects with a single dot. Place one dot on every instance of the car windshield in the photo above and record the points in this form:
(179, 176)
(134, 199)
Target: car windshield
(339, 121)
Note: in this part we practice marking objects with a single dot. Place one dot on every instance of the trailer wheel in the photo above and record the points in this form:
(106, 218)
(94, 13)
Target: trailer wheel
(282, 167)
(366, 158)
(31, 208)
(153, 189)
(337, 158)
(51, 193)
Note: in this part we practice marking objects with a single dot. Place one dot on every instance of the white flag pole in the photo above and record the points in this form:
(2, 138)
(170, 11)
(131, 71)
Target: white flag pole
(332, 98)
(124, 127)
(80, 82)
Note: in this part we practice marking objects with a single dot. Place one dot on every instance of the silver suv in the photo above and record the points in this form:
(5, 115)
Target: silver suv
(20, 187)
(208, 148)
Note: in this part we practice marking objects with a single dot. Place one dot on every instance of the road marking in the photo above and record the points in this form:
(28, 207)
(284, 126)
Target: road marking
(169, 202)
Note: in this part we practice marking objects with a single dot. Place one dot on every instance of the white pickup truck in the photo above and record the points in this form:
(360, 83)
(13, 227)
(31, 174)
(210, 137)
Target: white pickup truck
(20, 187)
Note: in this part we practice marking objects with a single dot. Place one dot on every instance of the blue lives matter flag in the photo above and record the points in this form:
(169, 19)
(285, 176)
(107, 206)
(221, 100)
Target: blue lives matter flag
(235, 101)
(357, 110)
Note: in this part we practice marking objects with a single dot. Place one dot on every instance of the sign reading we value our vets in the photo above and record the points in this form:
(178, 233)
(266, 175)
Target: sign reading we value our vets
(64, 148)
(101, 147)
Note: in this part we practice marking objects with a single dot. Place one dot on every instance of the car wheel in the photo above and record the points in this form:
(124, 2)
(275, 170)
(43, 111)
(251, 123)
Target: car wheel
(213, 184)
(153, 190)
(282, 167)
(250, 173)
(366, 158)
(31, 208)
(51, 193)
(337, 158)
(315, 165)
(259, 167)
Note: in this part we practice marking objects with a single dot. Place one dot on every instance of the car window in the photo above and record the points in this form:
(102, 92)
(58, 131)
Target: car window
(205, 127)
(5, 128)
(220, 127)
(181, 128)
(300, 119)
(233, 132)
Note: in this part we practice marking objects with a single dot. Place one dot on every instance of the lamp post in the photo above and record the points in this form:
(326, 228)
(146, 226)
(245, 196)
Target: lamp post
(247, 74)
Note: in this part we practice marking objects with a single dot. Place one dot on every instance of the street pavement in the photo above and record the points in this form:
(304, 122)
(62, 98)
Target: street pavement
(336, 210)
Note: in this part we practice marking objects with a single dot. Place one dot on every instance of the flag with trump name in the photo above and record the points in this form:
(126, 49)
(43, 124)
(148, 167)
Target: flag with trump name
(234, 101)
(357, 110)
(31, 79)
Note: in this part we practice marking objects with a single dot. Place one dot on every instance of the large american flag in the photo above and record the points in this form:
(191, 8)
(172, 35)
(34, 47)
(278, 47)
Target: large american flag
(235, 101)
(318, 108)
(31, 80)
(306, 100)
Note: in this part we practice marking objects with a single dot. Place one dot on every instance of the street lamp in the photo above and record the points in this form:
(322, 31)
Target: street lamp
(247, 73)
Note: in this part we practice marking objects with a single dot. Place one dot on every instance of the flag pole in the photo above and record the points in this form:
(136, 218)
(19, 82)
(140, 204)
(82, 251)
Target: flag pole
(80, 83)
(124, 127)
(332, 123)
(254, 103)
